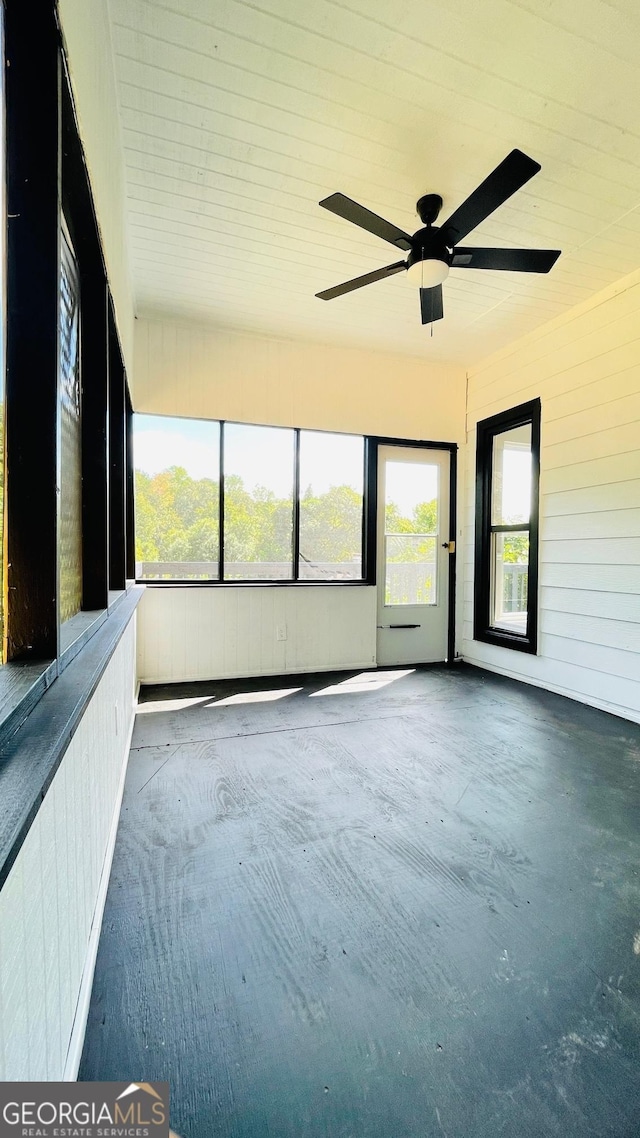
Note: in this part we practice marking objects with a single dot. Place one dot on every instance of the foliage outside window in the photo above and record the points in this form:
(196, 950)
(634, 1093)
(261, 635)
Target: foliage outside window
(411, 533)
(70, 456)
(288, 503)
(331, 508)
(507, 528)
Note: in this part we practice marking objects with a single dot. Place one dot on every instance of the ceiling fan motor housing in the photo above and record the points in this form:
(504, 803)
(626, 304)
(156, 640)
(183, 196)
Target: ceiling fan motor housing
(429, 245)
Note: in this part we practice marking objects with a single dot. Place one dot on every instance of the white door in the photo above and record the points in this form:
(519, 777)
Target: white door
(413, 555)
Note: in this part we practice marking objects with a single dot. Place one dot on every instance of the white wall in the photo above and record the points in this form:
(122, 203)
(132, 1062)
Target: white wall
(50, 904)
(585, 366)
(190, 369)
(201, 634)
(87, 36)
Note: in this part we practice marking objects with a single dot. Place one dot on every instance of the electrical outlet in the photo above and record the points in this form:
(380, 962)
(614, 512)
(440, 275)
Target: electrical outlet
(281, 632)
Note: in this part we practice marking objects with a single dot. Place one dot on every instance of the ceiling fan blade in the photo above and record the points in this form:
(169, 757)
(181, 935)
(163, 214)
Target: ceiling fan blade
(431, 304)
(509, 176)
(351, 211)
(360, 282)
(513, 260)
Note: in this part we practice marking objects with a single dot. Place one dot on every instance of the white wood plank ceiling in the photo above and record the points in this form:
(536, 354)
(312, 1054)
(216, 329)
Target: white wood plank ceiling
(239, 116)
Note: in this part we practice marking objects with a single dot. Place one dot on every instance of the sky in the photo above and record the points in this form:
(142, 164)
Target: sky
(263, 456)
(409, 483)
(516, 483)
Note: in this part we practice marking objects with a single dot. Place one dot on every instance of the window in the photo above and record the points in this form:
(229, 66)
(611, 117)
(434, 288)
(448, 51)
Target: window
(506, 568)
(236, 502)
(259, 474)
(331, 501)
(177, 498)
(70, 450)
(411, 532)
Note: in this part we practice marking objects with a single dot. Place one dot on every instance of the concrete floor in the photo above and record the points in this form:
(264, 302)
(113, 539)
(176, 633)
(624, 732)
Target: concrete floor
(385, 906)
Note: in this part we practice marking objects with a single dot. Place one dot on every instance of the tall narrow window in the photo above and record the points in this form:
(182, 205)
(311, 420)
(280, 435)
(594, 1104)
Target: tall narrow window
(70, 450)
(331, 497)
(508, 459)
(258, 471)
(177, 463)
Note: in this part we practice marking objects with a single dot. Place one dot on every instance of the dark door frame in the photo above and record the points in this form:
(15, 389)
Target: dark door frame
(374, 442)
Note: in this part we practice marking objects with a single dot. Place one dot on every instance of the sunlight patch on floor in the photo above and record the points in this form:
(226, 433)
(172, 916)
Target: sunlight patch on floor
(365, 682)
(253, 697)
(158, 705)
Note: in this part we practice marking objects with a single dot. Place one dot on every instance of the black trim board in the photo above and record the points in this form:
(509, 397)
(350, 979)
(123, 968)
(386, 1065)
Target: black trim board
(487, 429)
(31, 757)
(32, 77)
(374, 442)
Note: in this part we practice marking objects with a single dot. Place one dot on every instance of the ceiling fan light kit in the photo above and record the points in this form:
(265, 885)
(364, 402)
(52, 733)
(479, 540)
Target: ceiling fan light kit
(427, 273)
(433, 250)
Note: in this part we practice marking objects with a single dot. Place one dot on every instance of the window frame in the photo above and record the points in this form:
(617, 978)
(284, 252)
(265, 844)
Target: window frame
(46, 178)
(367, 575)
(487, 429)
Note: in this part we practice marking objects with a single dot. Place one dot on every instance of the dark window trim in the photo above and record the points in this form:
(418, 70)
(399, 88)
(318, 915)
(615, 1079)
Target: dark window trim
(295, 552)
(32, 86)
(207, 583)
(376, 441)
(487, 429)
(46, 177)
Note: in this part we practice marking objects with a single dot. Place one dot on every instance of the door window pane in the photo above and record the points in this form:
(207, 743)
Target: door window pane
(69, 394)
(258, 503)
(510, 581)
(176, 498)
(331, 502)
(511, 476)
(411, 533)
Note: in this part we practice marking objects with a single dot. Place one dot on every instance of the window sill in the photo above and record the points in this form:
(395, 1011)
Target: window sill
(150, 583)
(31, 755)
(22, 685)
(76, 631)
(506, 640)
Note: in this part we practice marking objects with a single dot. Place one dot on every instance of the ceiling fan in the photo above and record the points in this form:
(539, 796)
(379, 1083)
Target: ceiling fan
(434, 249)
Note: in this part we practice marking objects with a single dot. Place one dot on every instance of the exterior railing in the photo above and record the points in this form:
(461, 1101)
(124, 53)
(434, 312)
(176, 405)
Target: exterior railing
(247, 570)
(407, 582)
(515, 580)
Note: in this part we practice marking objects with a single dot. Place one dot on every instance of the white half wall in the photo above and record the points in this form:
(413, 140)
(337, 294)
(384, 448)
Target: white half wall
(585, 367)
(195, 370)
(51, 903)
(212, 633)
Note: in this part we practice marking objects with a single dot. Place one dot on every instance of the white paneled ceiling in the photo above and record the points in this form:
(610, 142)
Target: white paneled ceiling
(238, 117)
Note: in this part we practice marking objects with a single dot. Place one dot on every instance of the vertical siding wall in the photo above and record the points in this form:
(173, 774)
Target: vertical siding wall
(200, 634)
(586, 369)
(48, 902)
(192, 370)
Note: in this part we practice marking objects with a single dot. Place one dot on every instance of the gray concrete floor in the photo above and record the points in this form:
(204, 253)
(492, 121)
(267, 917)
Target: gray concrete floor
(381, 907)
